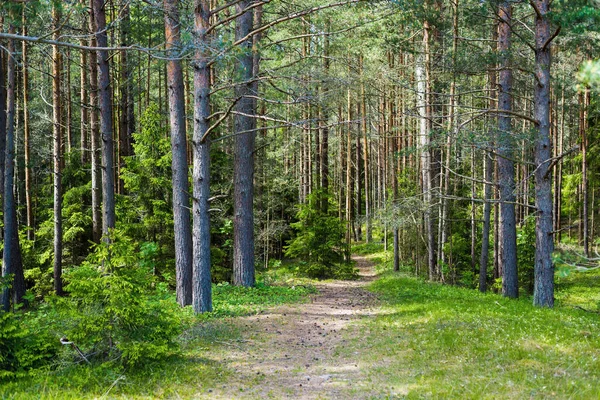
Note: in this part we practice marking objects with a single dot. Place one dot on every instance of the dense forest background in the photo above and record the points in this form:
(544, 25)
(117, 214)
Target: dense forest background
(149, 148)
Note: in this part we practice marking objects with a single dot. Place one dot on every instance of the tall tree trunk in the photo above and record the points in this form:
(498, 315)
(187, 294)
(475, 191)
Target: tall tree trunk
(125, 106)
(26, 137)
(95, 135)
(424, 144)
(106, 121)
(543, 293)
(57, 153)
(506, 168)
(584, 174)
(202, 296)
(325, 128)
(11, 260)
(179, 166)
(363, 125)
(348, 182)
(358, 180)
(244, 129)
(84, 106)
(68, 110)
(488, 168)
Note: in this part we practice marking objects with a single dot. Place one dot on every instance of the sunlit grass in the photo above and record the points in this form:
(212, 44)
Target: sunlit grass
(436, 341)
(195, 370)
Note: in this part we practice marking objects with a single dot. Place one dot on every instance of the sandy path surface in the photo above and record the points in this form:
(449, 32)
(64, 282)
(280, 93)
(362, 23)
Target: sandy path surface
(292, 351)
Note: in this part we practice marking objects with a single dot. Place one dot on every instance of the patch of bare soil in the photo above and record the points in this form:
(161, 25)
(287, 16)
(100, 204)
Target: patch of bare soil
(292, 351)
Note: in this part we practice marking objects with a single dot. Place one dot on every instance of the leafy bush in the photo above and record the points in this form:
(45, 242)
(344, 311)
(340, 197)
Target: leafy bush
(25, 342)
(319, 241)
(116, 308)
(526, 254)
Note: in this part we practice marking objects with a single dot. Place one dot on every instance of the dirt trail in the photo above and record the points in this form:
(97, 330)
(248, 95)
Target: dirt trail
(290, 351)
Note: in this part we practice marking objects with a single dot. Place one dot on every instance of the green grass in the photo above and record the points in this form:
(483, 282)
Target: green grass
(194, 370)
(436, 341)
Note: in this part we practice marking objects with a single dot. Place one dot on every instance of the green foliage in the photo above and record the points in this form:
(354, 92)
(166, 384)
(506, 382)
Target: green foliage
(319, 241)
(25, 342)
(146, 213)
(231, 301)
(116, 308)
(526, 254)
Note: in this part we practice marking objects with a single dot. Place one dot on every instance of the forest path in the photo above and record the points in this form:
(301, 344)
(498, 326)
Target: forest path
(292, 351)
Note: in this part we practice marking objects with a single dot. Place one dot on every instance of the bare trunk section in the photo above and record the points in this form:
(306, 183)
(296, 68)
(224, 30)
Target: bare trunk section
(57, 154)
(95, 136)
(27, 138)
(106, 121)
(244, 129)
(125, 88)
(424, 144)
(488, 167)
(11, 260)
(363, 125)
(84, 106)
(179, 166)
(584, 174)
(543, 293)
(325, 129)
(506, 168)
(202, 295)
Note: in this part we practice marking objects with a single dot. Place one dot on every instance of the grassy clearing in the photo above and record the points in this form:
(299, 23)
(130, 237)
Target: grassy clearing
(196, 369)
(436, 341)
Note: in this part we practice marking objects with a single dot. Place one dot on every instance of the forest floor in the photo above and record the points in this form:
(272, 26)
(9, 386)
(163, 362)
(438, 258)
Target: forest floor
(292, 351)
(387, 335)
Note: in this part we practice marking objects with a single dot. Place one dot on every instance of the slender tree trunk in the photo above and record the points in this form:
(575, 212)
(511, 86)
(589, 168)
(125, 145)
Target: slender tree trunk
(68, 110)
(125, 106)
(57, 154)
(95, 136)
(26, 138)
(202, 295)
(543, 293)
(106, 121)
(424, 144)
(244, 129)
(363, 124)
(348, 184)
(506, 168)
(325, 128)
(11, 260)
(488, 168)
(84, 106)
(358, 181)
(584, 176)
(179, 166)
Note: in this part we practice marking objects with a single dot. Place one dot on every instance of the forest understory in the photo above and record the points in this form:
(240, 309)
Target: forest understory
(386, 335)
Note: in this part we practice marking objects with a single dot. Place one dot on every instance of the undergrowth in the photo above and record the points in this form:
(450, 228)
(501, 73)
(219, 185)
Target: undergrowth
(439, 341)
(183, 373)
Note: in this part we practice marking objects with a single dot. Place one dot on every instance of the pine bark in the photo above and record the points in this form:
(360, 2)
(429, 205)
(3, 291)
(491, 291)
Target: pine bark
(179, 166)
(27, 139)
(11, 260)
(506, 168)
(202, 296)
(543, 293)
(488, 168)
(126, 127)
(424, 144)
(245, 134)
(95, 156)
(106, 121)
